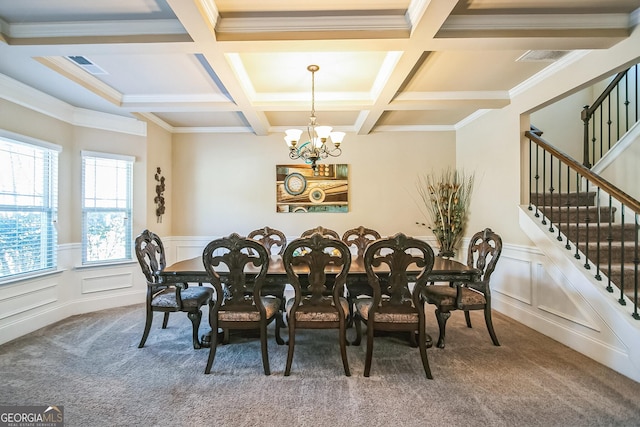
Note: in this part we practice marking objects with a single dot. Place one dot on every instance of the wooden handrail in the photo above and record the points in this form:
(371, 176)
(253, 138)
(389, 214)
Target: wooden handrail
(588, 110)
(605, 185)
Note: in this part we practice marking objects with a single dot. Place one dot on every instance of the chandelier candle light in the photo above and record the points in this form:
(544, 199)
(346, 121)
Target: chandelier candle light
(321, 144)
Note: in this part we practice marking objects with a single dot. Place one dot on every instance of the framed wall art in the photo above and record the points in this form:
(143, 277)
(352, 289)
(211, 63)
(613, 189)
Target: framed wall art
(299, 189)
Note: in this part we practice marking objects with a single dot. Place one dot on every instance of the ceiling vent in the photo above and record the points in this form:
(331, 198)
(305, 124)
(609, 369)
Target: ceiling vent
(542, 55)
(86, 64)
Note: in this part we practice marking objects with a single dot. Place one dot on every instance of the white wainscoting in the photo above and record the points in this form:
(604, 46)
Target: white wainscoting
(566, 302)
(28, 305)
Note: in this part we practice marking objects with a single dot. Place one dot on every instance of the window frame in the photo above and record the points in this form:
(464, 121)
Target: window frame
(48, 174)
(127, 210)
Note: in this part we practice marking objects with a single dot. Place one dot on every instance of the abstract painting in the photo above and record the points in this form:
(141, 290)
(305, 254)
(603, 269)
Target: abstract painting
(300, 189)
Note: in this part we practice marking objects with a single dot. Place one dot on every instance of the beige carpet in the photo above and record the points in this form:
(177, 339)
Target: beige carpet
(91, 365)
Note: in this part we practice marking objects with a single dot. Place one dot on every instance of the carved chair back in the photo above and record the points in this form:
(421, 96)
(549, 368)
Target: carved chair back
(317, 254)
(150, 253)
(321, 230)
(360, 237)
(398, 253)
(483, 253)
(270, 238)
(231, 255)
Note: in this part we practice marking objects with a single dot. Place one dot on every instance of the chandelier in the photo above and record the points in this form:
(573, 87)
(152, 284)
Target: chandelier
(321, 142)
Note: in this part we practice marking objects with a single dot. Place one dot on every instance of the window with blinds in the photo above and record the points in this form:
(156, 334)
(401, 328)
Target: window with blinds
(106, 208)
(28, 206)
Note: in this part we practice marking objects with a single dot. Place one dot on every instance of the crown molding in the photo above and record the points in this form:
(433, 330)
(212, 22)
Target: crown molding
(28, 97)
(413, 128)
(537, 22)
(303, 24)
(94, 28)
(213, 129)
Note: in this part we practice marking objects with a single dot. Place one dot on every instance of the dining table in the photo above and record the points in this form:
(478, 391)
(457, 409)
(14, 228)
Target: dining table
(444, 270)
(192, 271)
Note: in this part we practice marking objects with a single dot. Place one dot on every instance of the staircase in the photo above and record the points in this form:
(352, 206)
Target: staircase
(600, 226)
(608, 247)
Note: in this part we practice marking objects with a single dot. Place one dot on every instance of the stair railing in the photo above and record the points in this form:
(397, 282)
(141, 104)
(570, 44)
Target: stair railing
(553, 175)
(610, 116)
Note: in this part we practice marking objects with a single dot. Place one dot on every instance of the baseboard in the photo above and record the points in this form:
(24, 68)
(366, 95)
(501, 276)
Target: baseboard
(37, 320)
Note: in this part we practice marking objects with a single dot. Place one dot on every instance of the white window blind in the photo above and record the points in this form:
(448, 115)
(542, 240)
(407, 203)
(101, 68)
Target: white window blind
(107, 207)
(28, 207)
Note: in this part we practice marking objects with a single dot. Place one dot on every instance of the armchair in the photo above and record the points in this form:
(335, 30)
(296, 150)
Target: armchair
(167, 298)
(483, 253)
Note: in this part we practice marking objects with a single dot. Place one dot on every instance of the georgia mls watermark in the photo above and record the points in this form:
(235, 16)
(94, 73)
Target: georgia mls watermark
(31, 416)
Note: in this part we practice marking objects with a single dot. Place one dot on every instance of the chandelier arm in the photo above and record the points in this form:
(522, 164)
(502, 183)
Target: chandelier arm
(335, 152)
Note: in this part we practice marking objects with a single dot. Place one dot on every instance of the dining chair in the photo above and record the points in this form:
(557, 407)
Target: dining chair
(483, 253)
(395, 306)
(234, 309)
(323, 231)
(167, 298)
(275, 242)
(317, 268)
(359, 237)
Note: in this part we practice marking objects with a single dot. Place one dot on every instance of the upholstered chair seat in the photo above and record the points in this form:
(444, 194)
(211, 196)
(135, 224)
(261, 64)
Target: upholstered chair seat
(315, 314)
(397, 315)
(271, 307)
(446, 296)
(192, 297)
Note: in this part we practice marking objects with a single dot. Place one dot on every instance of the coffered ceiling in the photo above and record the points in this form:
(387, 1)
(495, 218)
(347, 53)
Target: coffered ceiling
(241, 65)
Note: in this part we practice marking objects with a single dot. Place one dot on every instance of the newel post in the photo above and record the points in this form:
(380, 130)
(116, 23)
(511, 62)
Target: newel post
(585, 116)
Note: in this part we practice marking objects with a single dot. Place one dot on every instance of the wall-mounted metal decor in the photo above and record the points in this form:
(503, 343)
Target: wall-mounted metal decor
(159, 199)
(300, 189)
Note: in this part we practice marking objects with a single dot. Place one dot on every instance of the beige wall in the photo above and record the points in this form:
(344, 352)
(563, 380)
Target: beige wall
(158, 155)
(226, 183)
(561, 122)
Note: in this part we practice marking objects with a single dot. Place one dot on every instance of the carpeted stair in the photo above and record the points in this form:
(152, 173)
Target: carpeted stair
(611, 247)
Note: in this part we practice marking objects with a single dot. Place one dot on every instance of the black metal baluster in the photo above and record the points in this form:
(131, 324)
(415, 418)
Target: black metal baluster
(609, 122)
(559, 221)
(609, 239)
(626, 102)
(568, 203)
(594, 139)
(598, 227)
(544, 186)
(617, 115)
(637, 91)
(537, 214)
(622, 300)
(587, 221)
(601, 131)
(577, 254)
(551, 190)
(530, 172)
(636, 261)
